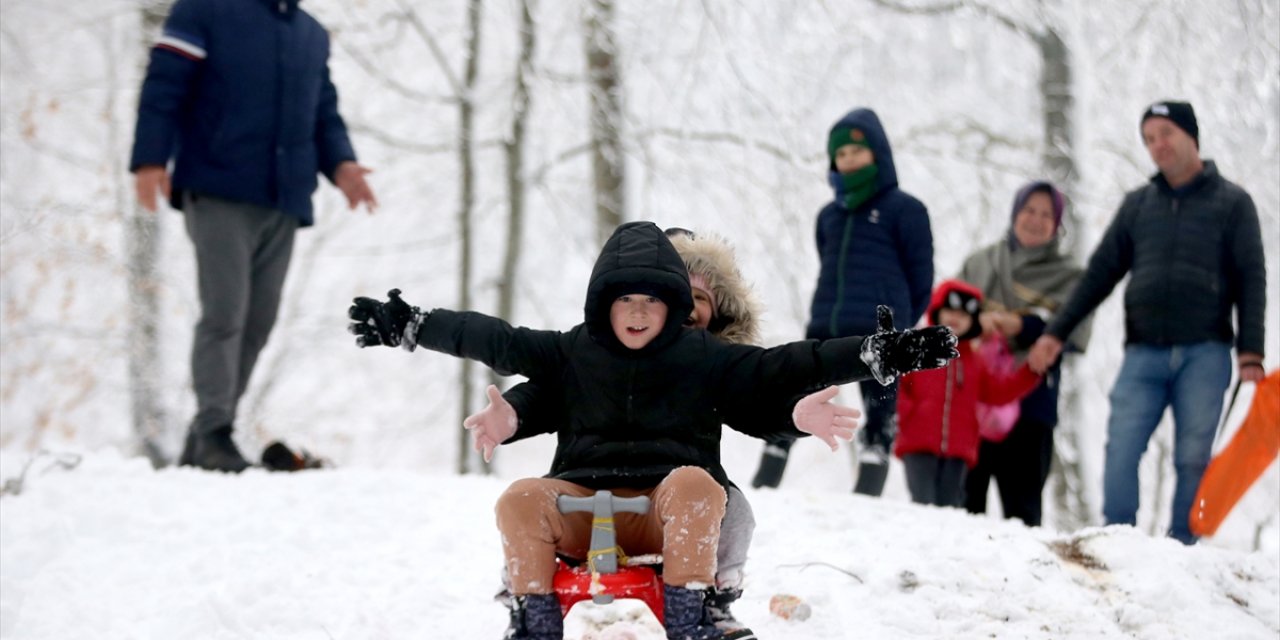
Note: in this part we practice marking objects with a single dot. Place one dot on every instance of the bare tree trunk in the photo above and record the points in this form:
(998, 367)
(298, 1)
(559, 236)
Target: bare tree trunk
(142, 233)
(514, 149)
(467, 194)
(607, 162)
(1057, 98)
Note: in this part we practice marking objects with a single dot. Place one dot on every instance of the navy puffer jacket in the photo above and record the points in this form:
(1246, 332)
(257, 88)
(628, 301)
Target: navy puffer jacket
(238, 95)
(879, 253)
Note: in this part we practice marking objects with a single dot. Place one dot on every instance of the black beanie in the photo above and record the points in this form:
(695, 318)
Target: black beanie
(1180, 113)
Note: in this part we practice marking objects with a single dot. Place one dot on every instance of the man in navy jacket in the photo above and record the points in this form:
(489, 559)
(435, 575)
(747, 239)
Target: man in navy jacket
(876, 248)
(237, 95)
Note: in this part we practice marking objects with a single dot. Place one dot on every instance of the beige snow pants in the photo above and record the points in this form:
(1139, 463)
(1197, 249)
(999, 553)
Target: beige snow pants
(683, 524)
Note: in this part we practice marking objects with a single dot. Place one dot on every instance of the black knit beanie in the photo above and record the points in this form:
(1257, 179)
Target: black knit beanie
(1180, 113)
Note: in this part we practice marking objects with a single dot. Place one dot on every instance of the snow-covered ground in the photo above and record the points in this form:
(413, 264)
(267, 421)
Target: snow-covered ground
(112, 549)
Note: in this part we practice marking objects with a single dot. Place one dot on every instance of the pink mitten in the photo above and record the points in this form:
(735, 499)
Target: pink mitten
(492, 425)
(815, 414)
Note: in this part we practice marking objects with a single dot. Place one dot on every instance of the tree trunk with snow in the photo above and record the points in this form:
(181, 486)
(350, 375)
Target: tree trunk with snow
(607, 162)
(466, 206)
(142, 234)
(513, 147)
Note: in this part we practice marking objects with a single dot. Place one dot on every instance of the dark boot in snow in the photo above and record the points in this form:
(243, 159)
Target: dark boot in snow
(717, 605)
(279, 457)
(688, 617)
(187, 458)
(215, 451)
(873, 465)
(535, 617)
(772, 463)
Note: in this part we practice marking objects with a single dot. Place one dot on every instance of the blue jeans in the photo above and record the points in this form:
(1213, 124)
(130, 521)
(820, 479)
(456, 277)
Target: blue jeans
(1191, 378)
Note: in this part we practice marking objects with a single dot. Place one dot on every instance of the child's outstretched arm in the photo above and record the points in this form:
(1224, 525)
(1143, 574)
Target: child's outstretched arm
(1002, 388)
(817, 415)
(507, 350)
(492, 425)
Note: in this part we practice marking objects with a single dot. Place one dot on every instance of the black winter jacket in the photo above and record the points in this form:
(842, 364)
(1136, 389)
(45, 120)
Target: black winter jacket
(634, 416)
(1192, 256)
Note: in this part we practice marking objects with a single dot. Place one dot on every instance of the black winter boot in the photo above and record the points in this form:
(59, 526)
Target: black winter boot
(536, 616)
(688, 617)
(215, 451)
(717, 602)
(873, 463)
(772, 463)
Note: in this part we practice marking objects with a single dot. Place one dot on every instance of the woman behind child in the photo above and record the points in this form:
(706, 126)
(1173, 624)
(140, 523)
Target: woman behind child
(1025, 278)
(938, 408)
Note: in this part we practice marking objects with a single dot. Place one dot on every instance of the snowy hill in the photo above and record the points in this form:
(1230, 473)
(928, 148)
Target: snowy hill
(112, 549)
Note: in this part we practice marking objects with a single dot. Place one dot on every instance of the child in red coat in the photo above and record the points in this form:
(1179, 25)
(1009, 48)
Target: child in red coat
(938, 408)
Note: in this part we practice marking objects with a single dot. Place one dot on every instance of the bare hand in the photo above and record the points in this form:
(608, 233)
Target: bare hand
(349, 177)
(815, 414)
(1005, 323)
(1250, 366)
(149, 180)
(492, 425)
(1044, 353)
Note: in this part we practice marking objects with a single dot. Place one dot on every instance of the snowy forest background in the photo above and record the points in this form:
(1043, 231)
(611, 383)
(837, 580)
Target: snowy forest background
(509, 136)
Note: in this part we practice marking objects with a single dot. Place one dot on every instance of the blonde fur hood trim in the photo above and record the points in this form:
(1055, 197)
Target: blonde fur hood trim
(737, 313)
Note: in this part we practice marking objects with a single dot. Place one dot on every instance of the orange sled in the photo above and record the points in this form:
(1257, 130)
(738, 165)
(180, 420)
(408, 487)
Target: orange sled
(1246, 457)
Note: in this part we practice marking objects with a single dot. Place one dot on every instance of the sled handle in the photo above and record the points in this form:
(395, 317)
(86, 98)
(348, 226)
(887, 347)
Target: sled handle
(603, 556)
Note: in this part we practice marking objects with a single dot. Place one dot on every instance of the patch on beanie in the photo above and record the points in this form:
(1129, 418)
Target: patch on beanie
(1182, 114)
(844, 135)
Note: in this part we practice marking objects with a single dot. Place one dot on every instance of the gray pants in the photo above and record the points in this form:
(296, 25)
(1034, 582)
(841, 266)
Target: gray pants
(242, 255)
(736, 529)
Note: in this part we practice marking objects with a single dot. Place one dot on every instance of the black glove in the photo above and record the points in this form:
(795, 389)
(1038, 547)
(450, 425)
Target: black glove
(892, 353)
(392, 323)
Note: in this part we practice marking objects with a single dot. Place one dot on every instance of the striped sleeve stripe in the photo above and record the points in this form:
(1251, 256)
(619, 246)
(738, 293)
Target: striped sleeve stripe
(181, 47)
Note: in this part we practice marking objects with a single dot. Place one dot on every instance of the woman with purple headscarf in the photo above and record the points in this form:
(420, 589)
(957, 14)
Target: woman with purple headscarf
(1025, 279)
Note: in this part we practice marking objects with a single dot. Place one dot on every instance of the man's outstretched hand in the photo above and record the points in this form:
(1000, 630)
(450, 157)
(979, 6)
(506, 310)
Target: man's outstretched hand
(892, 353)
(817, 415)
(392, 323)
(492, 425)
(349, 177)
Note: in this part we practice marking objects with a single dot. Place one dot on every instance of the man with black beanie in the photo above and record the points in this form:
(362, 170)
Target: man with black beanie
(1191, 243)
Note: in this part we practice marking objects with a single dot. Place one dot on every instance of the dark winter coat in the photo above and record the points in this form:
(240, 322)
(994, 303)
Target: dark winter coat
(238, 94)
(735, 320)
(938, 408)
(1192, 255)
(879, 253)
(634, 416)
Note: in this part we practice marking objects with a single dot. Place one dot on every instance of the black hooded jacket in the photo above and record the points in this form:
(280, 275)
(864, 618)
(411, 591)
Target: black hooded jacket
(635, 415)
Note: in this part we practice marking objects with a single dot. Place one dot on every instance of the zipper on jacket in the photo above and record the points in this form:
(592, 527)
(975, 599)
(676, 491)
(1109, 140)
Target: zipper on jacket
(844, 248)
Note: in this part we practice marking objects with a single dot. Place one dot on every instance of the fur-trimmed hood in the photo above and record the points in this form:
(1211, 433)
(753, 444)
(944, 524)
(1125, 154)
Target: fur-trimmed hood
(737, 312)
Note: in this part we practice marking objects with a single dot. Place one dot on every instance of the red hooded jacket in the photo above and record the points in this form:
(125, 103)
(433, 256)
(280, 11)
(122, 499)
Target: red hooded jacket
(938, 408)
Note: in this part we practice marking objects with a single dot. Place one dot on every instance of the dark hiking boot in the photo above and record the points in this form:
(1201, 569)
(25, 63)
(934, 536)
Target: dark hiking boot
(187, 458)
(873, 466)
(534, 617)
(871, 478)
(214, 451)
(688, 617)
(717, 604)
(772, 463)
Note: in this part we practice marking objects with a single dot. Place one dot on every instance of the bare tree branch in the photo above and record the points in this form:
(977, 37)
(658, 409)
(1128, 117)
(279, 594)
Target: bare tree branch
(932, 9)
(411, 16)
